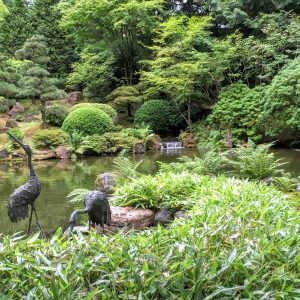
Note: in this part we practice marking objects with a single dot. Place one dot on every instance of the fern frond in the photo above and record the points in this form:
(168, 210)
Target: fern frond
(77, 195)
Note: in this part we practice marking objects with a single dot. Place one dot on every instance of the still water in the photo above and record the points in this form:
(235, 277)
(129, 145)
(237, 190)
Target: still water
(59, 177)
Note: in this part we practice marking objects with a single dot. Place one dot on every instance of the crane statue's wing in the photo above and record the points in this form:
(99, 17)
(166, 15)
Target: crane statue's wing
(19, 200)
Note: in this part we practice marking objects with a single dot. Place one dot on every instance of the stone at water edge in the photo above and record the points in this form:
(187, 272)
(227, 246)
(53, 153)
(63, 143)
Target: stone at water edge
(298, 187)
(154, 142)
(43, 154)
(139, 148)
(106, 183)
(164, 216)
(63, 152)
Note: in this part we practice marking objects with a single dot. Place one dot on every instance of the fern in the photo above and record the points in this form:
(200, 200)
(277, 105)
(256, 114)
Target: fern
(77, 195)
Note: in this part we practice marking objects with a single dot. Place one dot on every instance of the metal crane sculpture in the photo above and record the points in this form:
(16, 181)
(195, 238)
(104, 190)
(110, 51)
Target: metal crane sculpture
(98, 209)
(26, 194)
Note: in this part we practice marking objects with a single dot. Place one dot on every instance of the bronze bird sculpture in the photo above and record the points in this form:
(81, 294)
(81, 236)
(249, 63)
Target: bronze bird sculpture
(26, 194)
(98, 209)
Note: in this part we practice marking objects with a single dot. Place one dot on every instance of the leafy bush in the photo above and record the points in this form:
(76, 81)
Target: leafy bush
(10, 145)
(56, 114)
(87, 121)
(48, 138)
(281, 101)
(5, 104)
(238, 110)
(104, 107)
(112, 142)
(242, 242)
(75, 139)
(159, 114)
(254, 162)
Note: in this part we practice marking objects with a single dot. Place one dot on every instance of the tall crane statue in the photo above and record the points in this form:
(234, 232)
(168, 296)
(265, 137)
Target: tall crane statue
(98, 209)
(26, 194)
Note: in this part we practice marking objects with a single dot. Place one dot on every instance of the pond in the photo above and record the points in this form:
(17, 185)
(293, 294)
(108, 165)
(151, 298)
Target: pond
(59, 177)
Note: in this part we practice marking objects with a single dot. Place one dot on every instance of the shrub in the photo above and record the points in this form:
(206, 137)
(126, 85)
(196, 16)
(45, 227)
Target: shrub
(56, 114)
(11, 145)
(238, 110)
(87, 121)
(112, 142)
(159, 114)
(102, 106)
(48, 138)
(6, 104)
(242, 242)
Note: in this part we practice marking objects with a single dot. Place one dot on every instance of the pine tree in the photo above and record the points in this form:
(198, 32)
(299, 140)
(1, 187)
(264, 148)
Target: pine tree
(15, 27)
(35, 82)
(61, 49)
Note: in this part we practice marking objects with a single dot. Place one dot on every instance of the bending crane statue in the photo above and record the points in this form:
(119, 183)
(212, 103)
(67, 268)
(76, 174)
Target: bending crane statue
(98, 209)
(26, 194)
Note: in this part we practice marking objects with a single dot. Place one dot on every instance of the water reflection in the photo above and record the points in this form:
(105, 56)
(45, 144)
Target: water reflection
(59, 177)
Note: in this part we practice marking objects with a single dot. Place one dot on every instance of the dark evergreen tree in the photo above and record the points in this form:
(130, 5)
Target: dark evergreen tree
(15, 27)
(61, 49)
(35, 82)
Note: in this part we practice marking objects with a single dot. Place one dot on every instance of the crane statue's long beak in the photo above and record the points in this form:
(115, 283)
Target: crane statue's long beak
(14, 138)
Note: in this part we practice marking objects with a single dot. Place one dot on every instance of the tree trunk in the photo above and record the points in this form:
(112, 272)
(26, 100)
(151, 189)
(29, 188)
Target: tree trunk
(43, 112)
(129, 110)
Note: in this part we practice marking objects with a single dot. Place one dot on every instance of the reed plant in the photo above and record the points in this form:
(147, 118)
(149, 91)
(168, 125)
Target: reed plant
(242, 242)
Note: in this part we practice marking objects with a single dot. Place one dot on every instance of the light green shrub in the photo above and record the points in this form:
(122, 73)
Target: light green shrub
(102, 106)
(48, 138)
(87, 121)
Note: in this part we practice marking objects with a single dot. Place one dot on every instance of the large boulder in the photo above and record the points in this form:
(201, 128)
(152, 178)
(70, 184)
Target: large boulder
(106, 183)
(132, 217)
(11, 123)
(154, 142)
(43, 154)
(17, 109)
(74, 97)
(139, 148)
(63, 152)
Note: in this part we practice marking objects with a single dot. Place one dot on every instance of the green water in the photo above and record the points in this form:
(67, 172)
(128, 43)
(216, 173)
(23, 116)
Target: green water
(59, 177)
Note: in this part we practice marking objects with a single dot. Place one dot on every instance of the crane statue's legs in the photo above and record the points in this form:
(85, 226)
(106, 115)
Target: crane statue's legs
(30, 220)
(37, 220)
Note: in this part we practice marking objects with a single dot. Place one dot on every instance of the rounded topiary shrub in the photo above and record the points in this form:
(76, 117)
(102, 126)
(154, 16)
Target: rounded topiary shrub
(56, 114)
(104, 107)
(159, 114)
(87, 121)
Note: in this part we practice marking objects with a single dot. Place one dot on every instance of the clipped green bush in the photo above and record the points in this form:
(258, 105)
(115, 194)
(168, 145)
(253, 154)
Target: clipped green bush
(56, 114)
(102, 106)
(87, 121)
(159, 114)
(48, 138)
(110, 143)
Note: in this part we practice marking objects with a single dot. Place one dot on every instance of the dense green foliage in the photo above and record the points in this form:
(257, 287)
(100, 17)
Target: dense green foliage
(104, 107)
(55, 114)
(88, 121)
(158, 114)
(48, 138)
(242, 241)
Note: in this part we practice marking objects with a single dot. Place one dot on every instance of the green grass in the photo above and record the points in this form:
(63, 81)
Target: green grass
(242, 242)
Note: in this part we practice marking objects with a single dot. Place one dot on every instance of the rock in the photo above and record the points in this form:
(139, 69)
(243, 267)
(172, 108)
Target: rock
(4, 129)
(154, 142)
(73, 97)
(17, 109)
(105, 182)
(132, 217)
(3, 154)
(11, 123)
(43, 154)
(189, 140)
(48, 103)
(228, 139)
(139, 148)
(182, 215)
(63, 152)
(164, 216)
(298, 187)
